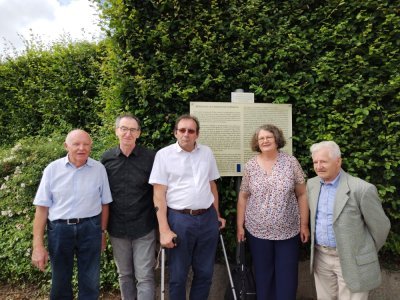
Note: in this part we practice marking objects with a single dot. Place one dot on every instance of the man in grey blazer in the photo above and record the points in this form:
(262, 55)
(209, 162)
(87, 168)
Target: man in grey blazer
(348, 227)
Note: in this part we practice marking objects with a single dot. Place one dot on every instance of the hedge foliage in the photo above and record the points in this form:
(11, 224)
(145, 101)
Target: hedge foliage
(336, 62)
(41, 91)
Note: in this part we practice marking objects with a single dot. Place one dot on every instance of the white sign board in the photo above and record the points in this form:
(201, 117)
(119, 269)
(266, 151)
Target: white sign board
(227, 128)
(241, 97)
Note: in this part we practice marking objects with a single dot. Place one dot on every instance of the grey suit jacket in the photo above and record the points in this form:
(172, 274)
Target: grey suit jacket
(360, 226)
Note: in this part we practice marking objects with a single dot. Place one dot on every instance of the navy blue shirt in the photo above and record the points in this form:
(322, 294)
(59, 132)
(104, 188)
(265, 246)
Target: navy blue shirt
(132, 212)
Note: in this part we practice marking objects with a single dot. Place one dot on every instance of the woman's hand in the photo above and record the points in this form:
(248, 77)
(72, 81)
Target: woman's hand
(304, 233)
(240, 234)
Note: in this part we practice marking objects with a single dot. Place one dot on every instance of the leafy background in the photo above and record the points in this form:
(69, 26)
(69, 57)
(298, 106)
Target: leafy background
(336, 62)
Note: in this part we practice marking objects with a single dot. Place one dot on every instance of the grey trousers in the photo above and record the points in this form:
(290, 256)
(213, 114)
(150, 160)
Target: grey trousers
(135, 260)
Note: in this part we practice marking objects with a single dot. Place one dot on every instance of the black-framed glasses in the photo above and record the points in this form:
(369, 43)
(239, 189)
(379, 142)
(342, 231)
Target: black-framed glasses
(126, 129)
(184, 130)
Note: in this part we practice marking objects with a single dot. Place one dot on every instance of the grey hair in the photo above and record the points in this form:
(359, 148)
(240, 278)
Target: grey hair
(331, 146)
(128, 116)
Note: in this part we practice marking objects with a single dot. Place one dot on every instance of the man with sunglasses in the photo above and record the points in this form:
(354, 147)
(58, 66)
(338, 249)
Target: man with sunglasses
(132, 219)
(186, 203)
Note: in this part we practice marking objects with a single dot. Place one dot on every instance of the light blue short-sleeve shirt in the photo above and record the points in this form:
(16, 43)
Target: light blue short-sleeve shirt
(71, 192)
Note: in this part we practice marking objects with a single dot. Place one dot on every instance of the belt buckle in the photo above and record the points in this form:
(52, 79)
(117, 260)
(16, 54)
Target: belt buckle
(73, 221)
(191, 212)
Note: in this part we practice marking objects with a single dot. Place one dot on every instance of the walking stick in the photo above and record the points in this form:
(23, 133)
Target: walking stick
(162, 295)
(227, 267)
(162, 272)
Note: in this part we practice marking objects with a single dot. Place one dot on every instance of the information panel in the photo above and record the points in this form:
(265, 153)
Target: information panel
(227, 128)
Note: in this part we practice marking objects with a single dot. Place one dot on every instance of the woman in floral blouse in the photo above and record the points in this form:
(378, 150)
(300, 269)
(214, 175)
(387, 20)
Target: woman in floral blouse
(272, 212)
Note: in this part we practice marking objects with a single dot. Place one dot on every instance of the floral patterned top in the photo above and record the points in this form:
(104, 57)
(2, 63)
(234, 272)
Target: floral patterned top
(272, 210)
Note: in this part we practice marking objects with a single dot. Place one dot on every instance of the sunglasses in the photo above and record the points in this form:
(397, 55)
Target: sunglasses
(183, 130)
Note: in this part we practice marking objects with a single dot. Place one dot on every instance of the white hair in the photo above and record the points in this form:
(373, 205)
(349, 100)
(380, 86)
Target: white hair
(331, 146)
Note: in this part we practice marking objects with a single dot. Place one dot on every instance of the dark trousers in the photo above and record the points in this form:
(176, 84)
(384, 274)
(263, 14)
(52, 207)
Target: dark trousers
(82, 240)
(276, 266)
(197, 245)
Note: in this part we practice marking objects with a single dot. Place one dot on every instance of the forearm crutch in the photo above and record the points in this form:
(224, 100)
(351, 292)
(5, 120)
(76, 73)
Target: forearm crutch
(162, 273)
(227, 267)
(162, 294)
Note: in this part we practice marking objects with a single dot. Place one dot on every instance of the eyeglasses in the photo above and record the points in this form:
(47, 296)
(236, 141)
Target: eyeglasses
(126, 129)
(265, 138)
(189, 130)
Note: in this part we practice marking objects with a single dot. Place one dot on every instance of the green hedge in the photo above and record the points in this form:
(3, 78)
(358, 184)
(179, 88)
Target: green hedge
(336, 62)
(42, 91)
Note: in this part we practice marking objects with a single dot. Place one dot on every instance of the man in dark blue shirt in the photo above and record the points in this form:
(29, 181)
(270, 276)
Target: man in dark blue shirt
(131, 225)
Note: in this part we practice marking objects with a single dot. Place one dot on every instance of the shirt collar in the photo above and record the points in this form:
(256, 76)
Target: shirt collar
(66, 162)
(335, 182)
(179, 149)
(118, 151)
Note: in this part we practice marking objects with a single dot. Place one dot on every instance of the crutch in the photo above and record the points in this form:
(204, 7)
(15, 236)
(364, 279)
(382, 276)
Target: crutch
(175, 241)
(227, 266)
(162, 272)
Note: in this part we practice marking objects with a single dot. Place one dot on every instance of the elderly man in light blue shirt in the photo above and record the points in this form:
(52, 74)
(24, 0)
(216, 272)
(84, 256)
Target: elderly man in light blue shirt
(348, 227)
(72, 200)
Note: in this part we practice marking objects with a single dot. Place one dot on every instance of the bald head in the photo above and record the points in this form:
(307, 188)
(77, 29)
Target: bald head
(77, 133)
(78, 143)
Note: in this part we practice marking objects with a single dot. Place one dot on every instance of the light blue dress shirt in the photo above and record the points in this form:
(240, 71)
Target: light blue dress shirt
(324, 234)
(71, 192)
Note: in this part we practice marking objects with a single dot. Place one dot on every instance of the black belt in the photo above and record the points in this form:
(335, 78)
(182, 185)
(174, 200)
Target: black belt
(73, 221)
(192, 212)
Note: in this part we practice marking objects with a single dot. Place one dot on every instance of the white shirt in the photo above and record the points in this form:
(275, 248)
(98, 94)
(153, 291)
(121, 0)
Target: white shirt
(187, 176)
(71, 192)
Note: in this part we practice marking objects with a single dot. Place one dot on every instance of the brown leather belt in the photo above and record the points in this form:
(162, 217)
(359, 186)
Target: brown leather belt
(192, 212)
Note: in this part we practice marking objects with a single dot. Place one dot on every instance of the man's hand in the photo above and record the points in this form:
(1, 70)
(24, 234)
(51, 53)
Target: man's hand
(167, 239)
(103, 241)
(40, 257)
(221, 222)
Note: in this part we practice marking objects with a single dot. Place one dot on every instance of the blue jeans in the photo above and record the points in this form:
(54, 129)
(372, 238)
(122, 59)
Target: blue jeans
(82, 240)
(276, 267)
(135, 260)
(197, 245)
